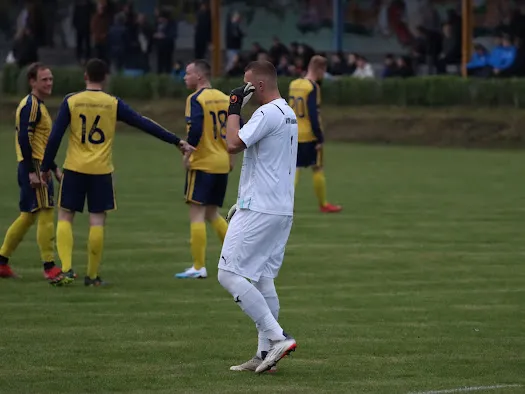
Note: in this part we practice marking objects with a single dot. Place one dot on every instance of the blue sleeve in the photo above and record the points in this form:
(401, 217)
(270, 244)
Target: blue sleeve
(132, 118)
(313, 112)
(495, 58)
(57, 133)
(508, 60)
(196, 121)
(476, 61)
(26, 123)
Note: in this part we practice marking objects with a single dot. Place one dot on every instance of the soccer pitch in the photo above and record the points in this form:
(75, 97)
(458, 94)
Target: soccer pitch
(417, 286)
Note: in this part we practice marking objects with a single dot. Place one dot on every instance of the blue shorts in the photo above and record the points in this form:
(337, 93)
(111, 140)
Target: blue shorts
(31, 200)
(204, 188)
(76, 187)
(308, 156)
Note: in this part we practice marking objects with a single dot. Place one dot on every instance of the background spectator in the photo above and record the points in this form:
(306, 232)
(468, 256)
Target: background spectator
(502, 57)
(336, 66)
(283, 68)
(164, 37)
(404, 67)
(202, 31)
(390, 67)
(25, 49)
(479, 62)
(451, 53)
(255, 51)
(179, 71)
(100, 23)
(277, 50)
(117, 42)
(82, 13)
(237, 67)
(351, 63)
(364, 69)
(234, 37)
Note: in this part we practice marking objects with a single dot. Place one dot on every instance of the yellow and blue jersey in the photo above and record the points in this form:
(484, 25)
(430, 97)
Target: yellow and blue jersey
(305, 100)
(92, 117)
(206, 117)
(33, 127)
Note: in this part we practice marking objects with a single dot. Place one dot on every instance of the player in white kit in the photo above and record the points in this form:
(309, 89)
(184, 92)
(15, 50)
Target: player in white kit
(258, 231)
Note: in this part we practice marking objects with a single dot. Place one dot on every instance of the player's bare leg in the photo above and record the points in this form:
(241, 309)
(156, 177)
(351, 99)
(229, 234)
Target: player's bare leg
(97, 221)
(252, 302)
(64, 241)
(198, 243)
(319, 181)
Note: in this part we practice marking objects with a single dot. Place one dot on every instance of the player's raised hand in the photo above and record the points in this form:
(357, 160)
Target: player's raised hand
(239, 97)
(185, 147)
(34, 180)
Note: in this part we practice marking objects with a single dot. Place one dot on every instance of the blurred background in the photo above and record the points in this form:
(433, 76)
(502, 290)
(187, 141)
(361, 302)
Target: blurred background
(362, 38)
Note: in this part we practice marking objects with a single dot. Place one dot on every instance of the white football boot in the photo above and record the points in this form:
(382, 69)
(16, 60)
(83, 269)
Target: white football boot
(251, 365)
(278, 350)
(192, 273)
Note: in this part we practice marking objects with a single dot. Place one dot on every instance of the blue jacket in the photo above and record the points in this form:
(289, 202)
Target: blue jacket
(502, 57)
(478, 61)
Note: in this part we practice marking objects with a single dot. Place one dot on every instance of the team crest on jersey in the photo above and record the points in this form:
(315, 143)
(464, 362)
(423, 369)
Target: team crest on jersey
(233, 99)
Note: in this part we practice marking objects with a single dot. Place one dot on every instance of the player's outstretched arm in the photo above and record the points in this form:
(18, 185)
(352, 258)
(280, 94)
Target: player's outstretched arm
(57, 133)
(313, 112)
(127, 115)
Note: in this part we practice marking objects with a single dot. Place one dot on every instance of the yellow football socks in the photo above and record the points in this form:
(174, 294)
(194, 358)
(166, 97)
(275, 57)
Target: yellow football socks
(45, 234)
(220, 225)
(65, 244)
(320, 187)
(16, 232)
(198, 244)
(95, 247)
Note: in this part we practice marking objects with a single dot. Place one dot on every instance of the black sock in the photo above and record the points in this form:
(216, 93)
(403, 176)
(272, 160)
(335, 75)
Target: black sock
(3, 260)
(264, 353)
(49, 265)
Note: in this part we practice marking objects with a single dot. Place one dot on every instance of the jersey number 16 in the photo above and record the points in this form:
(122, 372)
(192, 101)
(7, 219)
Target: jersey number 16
(95, 136)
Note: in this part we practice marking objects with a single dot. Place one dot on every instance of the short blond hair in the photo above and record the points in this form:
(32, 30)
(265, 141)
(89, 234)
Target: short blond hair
(317, 62)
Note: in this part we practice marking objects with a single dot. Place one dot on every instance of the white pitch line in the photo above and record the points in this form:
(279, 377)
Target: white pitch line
(466, 389)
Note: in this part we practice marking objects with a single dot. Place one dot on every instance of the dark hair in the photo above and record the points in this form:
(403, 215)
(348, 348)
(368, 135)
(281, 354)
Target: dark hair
(262, 67)
(96, 70)
(203, 66)
(33, 69)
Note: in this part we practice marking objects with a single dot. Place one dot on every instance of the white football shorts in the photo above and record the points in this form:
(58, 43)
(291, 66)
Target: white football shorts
(254, 244)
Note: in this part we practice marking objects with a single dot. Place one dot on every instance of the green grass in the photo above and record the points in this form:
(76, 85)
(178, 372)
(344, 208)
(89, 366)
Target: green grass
(418, 285)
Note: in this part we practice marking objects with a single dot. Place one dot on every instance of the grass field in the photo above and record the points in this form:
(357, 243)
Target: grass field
(418, 285)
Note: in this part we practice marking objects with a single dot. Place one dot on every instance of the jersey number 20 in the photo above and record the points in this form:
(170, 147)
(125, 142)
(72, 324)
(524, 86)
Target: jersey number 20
(297, 104)
(95, 136)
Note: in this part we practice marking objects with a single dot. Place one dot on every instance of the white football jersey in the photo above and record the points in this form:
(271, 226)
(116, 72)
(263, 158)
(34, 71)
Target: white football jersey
(268, 167)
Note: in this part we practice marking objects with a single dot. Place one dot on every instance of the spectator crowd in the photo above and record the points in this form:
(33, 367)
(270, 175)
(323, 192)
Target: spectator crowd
(132, 42)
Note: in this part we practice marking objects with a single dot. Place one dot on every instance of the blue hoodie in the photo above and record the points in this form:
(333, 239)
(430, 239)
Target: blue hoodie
(502, 57)
(478, 61)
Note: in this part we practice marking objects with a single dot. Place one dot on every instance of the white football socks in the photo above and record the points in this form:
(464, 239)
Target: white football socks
(252, 303)
(267, 288)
